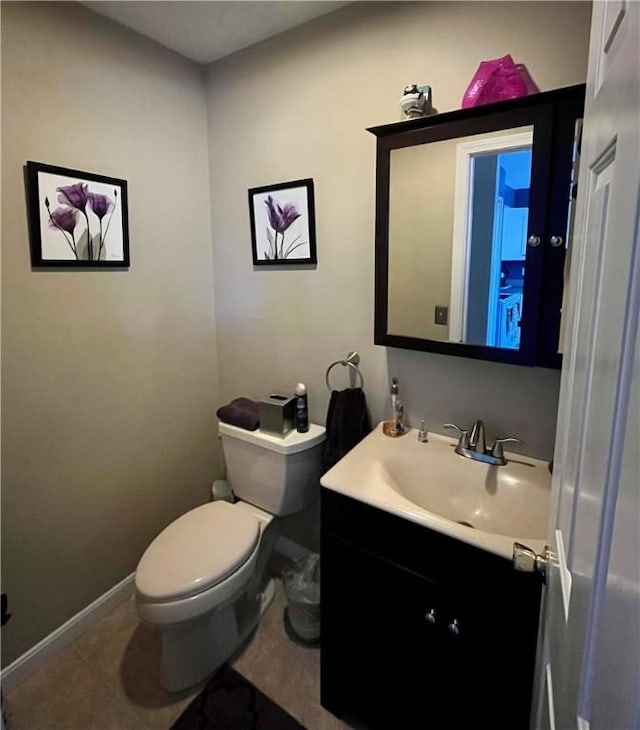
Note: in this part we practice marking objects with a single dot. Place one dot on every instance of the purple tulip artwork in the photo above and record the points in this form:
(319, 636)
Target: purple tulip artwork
(76, 219)
(283, 224)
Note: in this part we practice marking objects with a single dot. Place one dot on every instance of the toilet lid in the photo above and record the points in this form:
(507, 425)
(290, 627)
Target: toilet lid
(196, 551)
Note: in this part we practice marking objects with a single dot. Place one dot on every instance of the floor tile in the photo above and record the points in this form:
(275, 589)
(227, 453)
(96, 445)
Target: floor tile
(127, 654)
(285, 671)
(117, 635)
(67, 694)
(108, 679)
(98, 713)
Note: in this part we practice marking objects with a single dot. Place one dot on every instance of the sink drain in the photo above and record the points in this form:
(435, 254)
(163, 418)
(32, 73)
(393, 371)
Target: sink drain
(466, 524)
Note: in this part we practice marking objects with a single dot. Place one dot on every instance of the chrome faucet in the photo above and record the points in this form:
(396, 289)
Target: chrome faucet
(473, 445)
(477, 442)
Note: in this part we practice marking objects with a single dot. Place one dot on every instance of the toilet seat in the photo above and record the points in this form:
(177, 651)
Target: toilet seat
(196, 552)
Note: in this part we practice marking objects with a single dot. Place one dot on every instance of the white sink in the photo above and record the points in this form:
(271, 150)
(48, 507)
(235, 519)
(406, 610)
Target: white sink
(428, 483)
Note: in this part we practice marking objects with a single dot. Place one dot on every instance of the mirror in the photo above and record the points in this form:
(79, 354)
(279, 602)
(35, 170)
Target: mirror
(460, 251)
(472, 212)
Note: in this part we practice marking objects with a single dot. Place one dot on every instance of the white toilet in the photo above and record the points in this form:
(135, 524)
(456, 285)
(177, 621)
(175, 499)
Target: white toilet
(201, 581)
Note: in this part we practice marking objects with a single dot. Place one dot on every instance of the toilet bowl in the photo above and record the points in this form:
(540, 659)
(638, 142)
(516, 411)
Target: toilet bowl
(201, 582)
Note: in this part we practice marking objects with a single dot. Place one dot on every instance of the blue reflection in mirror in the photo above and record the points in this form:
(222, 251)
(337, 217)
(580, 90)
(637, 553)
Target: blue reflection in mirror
(499, 212)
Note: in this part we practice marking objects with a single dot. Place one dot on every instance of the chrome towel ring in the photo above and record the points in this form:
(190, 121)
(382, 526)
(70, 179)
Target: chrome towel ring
(352, 361)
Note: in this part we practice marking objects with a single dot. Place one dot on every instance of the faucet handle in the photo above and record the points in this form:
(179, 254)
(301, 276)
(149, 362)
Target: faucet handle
(477, 438)
(496, 449)
(453, 425)
(464, 434)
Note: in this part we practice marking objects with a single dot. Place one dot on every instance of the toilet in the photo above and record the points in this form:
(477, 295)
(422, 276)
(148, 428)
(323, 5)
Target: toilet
(201, 581)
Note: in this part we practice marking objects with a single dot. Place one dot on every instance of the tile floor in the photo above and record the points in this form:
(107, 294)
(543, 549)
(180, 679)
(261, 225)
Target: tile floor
(107, 679)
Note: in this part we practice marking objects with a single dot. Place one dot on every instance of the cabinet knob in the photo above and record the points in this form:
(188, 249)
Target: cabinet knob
(556, 241)
(430, 616)
(533, 241)
(454, 627)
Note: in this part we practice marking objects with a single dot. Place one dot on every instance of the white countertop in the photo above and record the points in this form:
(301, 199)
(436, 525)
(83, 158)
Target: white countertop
(405, 477)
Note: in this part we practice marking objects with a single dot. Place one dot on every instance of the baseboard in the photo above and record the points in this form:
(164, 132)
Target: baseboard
(44, 650)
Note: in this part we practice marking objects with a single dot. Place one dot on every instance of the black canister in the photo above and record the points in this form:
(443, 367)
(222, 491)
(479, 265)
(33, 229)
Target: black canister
(302, 408)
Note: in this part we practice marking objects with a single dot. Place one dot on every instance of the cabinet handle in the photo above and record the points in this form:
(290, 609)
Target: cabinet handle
(454, 627)
(533, 241)
(556, 241)
(430, 616)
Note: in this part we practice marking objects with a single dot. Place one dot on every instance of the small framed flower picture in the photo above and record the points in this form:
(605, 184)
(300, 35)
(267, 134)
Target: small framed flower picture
(76, 219)
(283, 228)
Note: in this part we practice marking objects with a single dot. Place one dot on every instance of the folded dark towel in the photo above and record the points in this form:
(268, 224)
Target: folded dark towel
(348, 423)
(241, 412)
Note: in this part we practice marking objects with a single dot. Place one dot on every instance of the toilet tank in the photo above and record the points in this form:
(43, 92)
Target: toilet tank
(280, 475)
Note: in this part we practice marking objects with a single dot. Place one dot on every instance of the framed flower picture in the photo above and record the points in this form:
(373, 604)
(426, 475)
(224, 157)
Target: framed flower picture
(283, 229)
(76, 219)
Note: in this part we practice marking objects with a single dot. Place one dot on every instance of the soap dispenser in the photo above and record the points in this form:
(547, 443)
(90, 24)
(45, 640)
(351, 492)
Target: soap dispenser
(393, 424)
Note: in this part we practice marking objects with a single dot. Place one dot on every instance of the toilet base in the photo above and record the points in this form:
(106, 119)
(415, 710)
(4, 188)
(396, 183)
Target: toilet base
(194, 650)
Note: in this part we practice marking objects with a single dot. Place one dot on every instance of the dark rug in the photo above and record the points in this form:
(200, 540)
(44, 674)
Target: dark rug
(230, 702)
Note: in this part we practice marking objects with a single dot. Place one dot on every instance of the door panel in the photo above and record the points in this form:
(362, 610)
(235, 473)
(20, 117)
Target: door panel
(612, 693)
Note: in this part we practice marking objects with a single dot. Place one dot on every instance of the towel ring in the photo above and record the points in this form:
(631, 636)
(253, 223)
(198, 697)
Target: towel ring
(351, 361)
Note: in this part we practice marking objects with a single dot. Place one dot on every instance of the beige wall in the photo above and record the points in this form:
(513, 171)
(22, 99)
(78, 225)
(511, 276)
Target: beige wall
(297, 106)
(109, 377)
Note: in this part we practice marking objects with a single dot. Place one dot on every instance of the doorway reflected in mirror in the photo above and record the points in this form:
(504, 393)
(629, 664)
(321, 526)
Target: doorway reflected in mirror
(497, 240)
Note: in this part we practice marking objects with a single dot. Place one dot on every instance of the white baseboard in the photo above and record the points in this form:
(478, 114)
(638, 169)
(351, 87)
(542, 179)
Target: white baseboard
(39, 654)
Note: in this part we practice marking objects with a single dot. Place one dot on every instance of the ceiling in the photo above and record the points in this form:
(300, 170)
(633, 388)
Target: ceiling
(207, 30)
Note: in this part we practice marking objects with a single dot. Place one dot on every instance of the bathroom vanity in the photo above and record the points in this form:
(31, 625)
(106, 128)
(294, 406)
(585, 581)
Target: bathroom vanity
(425, 622)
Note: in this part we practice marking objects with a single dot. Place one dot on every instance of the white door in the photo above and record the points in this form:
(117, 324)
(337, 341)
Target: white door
(589, 657)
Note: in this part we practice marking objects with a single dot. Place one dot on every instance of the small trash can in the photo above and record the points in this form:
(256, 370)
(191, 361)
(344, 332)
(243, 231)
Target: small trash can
(302, 588)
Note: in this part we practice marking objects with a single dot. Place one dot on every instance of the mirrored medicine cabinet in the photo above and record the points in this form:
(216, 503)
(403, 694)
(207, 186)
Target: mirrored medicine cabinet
(474, 214)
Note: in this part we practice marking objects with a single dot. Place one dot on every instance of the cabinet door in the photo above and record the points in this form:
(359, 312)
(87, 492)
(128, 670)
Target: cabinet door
(387, 656)
(557, 243)
(384, 659)
(514, 233)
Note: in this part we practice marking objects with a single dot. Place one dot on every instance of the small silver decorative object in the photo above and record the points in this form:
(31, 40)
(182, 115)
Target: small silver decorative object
(415, 101)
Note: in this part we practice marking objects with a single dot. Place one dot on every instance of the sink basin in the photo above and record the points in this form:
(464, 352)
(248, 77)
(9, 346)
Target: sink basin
(428, 483)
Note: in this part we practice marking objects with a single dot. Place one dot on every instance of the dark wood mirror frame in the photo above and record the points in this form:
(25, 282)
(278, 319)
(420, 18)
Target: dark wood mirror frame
(553, 115)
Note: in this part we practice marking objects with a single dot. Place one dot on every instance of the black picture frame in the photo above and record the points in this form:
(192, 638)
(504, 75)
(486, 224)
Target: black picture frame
(283, 228)
(77, 219)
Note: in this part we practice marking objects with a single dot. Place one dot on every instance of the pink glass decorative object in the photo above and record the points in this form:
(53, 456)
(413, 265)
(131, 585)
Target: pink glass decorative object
(498, 80)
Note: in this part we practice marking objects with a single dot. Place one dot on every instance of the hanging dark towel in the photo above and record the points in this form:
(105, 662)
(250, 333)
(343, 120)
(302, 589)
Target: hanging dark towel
(348, 423)
(241, 412)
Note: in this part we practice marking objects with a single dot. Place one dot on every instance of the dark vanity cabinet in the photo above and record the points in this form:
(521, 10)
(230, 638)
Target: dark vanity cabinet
(420, 630)
(473, 228)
